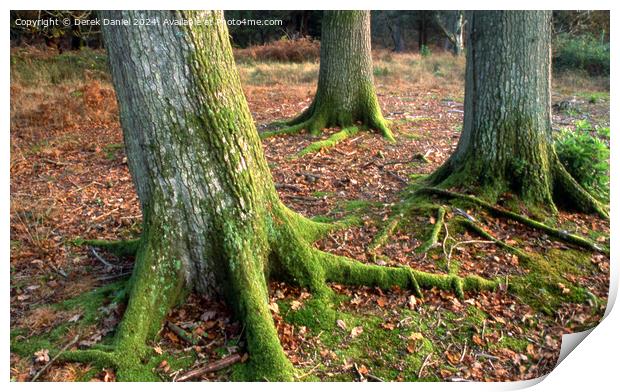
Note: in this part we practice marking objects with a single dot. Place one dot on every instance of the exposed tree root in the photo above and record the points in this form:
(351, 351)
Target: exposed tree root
(329, 142)
(434, 238)
(314, 123)
(559, 234)
(569, 190)
(484, 234)
(121, 248)
(157, 286)
(291, 130)
(384, 235)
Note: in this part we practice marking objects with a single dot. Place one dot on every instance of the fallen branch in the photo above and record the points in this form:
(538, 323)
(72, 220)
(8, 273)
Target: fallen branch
(104, 261)
(47, 365)
(559, 234)
(212, 367)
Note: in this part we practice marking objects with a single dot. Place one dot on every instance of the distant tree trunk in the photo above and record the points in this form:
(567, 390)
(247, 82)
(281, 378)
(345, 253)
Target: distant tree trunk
(452, 24)
(506, 143)
(422, 30)
(212, 219)
(346, 93)
(397, 36)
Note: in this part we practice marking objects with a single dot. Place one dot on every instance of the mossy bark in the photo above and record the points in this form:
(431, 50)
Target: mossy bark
(506, 144)
(213, 222)
(345, 93)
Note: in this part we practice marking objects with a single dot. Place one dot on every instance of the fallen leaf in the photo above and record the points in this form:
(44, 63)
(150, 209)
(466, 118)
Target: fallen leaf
(411, 302)
(478, 340)
(341, 324)
(273, 306)
(355, 332)
(42, 356)
(208, 315)
(416, 336)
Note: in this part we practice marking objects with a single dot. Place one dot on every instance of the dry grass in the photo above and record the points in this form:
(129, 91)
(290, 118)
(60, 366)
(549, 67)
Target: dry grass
(569, 82)
(296, 51)
(41, 319)
(426, 72)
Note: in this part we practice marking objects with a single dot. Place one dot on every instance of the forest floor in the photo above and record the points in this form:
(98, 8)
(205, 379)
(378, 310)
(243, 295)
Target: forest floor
(69, 179)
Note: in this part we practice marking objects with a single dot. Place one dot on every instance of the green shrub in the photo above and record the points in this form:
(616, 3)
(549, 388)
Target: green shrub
(584, 152)
(425, 51)
(585, 53)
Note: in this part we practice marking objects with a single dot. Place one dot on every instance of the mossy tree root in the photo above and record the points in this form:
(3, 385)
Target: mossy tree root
(385, 233)
(314, 121)
(477, 229)
(158, 284)
(568, 189)
(120, 248)
(330, 142)
(291, 130)
(434, 237)
(559, 234)
(339, 269)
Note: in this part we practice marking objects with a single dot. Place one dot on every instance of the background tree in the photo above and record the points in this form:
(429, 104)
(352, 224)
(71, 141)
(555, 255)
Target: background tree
(506, 144)
(345, 93)
(212, 219)
(452, 23)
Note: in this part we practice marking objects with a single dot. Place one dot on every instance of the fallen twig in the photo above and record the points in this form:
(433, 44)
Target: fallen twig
(424, 365)
(104, 261)
(180, 332)
(212, 367)
(47, 365)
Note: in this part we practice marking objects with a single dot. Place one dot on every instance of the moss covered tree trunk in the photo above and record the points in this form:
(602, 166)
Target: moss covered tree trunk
(506, 143)
(346, 93)
(213, 222)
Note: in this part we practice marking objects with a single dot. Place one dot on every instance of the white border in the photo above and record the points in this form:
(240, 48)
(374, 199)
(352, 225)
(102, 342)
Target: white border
(593, 365)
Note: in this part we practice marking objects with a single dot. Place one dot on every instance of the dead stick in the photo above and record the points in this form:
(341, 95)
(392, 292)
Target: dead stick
(212, 367)
(424, 365)
(47, 365)
(180, 332)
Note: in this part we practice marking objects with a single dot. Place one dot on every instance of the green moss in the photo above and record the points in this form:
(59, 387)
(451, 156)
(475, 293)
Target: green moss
(88, 304)
(358, 207)
(545, 288)
(111, 150)
(316, 313)
(329, 142)
(120, 248)
(512, 343)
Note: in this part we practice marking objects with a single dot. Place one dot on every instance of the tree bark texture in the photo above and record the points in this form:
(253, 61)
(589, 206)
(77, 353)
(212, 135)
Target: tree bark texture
(345, 93)
(506, 143)
(213, 222)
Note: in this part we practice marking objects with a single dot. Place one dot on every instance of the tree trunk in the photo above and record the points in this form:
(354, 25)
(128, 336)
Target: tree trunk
(506, 144)
(346, 93)
(459, 25)
(213, 222)
(422, 30)
(397, 36)
(451, 24)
